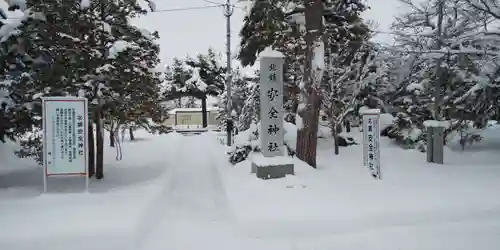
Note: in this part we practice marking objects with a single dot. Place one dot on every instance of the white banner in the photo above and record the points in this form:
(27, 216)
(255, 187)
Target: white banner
(65, 146)
(371, 142)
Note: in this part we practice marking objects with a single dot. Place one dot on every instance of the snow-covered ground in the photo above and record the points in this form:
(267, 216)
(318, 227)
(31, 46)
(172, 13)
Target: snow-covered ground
(113, 215)
(415, 206)
(179, 192)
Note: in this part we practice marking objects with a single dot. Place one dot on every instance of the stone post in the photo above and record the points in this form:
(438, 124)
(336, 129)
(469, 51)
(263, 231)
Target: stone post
(272, 163)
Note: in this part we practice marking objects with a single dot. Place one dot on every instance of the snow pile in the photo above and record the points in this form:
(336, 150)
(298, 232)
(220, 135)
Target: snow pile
(248, 141)
(241, 173)
(260, 160)
(386, 120)
(271, 53)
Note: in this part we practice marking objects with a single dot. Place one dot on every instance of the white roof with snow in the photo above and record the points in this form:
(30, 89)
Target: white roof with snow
(173, 111)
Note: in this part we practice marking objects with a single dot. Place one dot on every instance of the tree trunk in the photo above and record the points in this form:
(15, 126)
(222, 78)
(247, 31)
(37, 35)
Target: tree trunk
(112, 134)
(347, 126)
(204, 111)
(307, 136)
(99, 145)
(112, 138)
(91, 143)
(131, 133)
(336, 132)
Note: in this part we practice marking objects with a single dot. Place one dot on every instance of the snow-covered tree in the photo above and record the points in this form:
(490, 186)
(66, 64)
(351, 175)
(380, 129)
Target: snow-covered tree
(198, 77)
(250, 111)
(241, 90)
(77, 48)
(282, 25)
(449, 67)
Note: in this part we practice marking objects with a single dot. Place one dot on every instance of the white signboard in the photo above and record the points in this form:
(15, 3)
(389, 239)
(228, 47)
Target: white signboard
(271, 106)
(65, 146)
(371, 142)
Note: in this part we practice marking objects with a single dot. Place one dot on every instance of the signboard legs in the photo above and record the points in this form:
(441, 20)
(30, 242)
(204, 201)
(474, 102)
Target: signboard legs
(44, 182)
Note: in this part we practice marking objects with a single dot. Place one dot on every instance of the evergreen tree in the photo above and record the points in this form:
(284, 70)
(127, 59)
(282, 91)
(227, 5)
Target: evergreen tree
(241, 90)
(14, 120)
(250, 112)
(459, 54)
(198, 77)
(281, 24)
(78, 50)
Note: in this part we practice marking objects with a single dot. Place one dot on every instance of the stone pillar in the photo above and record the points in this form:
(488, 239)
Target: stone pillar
(272, 163)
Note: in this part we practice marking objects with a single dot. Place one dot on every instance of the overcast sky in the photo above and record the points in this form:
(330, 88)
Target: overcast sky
(189, 32)
(194, 31)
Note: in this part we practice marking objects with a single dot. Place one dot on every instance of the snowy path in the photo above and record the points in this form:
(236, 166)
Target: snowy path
(196, 212)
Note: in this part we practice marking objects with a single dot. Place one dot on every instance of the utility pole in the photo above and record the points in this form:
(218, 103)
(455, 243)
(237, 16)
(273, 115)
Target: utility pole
(439, 71)
(435, 132)
(228, 12)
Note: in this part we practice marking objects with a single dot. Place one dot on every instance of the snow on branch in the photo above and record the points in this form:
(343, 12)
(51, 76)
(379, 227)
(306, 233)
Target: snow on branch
(84, 4)
(10, 27)
(195, 81)
(491, 7)
(119, 47)
(21, 4)
(271, 53)
(446, 51)
(318, 62)
(151, 5)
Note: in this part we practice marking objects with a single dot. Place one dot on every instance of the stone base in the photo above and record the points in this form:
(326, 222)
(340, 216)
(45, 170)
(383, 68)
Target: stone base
(274, 170)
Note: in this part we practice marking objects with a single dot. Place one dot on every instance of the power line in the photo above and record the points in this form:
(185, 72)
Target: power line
(224, 4)
(212, 2)
(168, 10)
(189, 8)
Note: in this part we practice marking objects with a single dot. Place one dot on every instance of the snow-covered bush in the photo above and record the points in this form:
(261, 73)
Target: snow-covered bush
(31, 146)
(466, 132)
(248, 141)
(407, 132)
